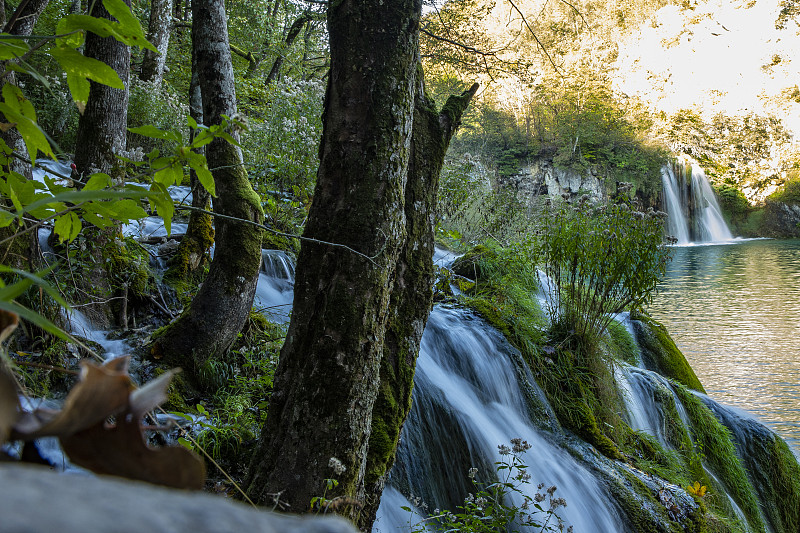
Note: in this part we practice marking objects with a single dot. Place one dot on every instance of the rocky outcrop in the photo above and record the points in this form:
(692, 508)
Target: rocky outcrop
(781, 220)
(542, 177)
(37, 500)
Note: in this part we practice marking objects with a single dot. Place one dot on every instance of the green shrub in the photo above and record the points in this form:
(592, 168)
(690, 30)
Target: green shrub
(601, 260)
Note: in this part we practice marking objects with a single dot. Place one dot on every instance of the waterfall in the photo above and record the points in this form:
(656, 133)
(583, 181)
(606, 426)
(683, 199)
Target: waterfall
(694, 213)
(275, 289)
(467, 401)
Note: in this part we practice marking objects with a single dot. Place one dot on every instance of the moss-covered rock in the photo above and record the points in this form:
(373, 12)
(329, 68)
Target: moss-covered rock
(660, 354)
(472, 264)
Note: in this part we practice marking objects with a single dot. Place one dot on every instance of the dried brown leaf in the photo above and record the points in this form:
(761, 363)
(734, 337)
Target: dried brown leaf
(9, 403)
(8, 323)
(121, 451)
(101, 392)
(151, 394)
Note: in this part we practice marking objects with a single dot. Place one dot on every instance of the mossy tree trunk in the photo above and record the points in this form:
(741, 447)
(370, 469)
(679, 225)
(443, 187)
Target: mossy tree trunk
(193, 251)
(412, 294)
(219, 310)
(158, 34)
(350, 312)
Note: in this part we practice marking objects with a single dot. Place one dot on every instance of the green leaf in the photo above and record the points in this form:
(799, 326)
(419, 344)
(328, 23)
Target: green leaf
(170, 171)
(97, 182)
(37, 278)
(36, 319)
(67, 226)
(156, 133)
(128, 28)
(200, 166)
(19, 110)
(11, 47)
(75, 197)
(80, 69)
(127, 209)
(160, 198)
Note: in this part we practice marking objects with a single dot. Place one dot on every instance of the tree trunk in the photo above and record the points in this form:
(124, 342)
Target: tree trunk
(328, 374)
(102, 126)
(158, 34)
(412, 294)
(100, 137)
(193, 250)
(216, 315)
(22, 252)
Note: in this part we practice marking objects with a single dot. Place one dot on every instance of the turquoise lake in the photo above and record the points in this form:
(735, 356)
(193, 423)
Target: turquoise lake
(734, 311)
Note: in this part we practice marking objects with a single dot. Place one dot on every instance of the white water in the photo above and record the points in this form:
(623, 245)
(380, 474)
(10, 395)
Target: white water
(677, 226)
(275, 289)
(467, 401)
(708, 225)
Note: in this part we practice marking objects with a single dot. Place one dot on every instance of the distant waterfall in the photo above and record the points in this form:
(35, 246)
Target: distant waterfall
(694, 213)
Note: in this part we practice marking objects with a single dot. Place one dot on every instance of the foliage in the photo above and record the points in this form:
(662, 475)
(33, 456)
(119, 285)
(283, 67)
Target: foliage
(584, 123)
(749, 152)
(600, 261)
(790, 192)
(493, 507)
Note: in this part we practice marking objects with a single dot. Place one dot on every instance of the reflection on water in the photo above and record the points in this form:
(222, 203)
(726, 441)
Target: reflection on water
(734, 311)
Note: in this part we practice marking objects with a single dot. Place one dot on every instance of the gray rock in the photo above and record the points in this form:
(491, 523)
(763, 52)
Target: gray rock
(35, 499)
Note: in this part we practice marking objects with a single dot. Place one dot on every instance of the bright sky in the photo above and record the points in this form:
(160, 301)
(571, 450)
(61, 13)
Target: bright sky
(714, 58)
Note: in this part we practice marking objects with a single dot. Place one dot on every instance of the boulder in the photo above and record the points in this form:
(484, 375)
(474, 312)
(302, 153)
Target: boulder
(36, 499)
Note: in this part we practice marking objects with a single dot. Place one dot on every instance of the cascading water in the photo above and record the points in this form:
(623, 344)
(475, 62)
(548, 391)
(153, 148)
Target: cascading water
(467, 401)
(694, 213)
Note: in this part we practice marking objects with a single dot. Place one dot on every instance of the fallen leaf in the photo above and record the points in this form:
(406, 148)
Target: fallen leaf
(8, 323)
(101, 392)
(152, 394)
(9, 404)
(121, 451)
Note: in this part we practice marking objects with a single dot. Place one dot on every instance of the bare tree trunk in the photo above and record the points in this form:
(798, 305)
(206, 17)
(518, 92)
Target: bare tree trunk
(216, 315)
(328, 375)
(158, 34)
(102, 126)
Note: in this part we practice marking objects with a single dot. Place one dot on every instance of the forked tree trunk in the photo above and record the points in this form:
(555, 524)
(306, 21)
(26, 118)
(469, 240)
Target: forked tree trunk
(357, 323)
(328, 374)
(216, 315)
(412, 294)
(158, 34)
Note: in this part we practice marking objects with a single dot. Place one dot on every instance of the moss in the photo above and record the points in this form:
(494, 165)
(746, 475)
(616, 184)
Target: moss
(192, 253)
(622, 344)
(783, 496)
(472, 264)
(660, 354)
(716, 449)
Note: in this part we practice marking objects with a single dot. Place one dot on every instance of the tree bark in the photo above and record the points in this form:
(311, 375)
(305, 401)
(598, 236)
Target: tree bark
(328, 374)
(216, 315)
(412, 294)
(158, 34)
(193, 250)
(102, 126)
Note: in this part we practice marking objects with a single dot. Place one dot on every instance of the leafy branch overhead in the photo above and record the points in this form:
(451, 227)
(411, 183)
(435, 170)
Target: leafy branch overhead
(87, 437)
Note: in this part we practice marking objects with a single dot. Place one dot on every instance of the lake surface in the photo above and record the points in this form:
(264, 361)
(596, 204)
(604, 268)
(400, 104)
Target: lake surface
(734, 311)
